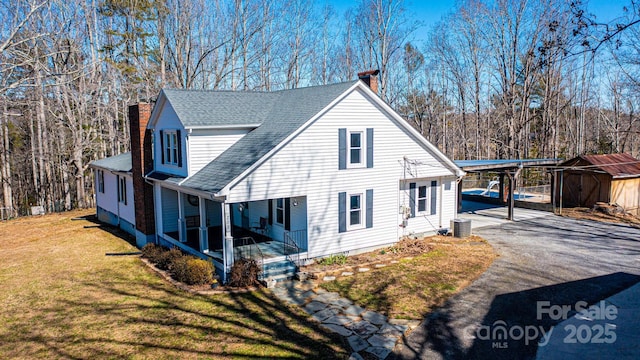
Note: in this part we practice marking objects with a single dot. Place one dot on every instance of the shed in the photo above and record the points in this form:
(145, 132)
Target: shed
(610, 178)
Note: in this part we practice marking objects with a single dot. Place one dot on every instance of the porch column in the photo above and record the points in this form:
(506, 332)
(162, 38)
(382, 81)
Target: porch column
(204, 233)
(228, 239)
(182, 236)
(159, 219)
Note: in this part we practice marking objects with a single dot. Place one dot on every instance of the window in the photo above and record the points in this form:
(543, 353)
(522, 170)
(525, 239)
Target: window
(355, 210)
(422, 198)
(171, 147)
(122, 189)
(100, 180)
(355, 148)
(280, 211)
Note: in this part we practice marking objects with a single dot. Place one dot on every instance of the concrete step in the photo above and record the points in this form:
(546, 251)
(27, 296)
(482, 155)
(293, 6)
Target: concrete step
(280, 270)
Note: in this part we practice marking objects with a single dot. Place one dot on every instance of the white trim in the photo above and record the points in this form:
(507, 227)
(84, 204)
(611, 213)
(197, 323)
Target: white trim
(362, 210)
(155, 115)
(170, 142)
(427, 199)
(363, 148)
(186, 190)
(222, 127)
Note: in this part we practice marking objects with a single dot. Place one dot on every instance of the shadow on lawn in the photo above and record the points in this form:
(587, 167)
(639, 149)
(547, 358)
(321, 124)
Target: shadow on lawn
(153, 319)
(126, 311)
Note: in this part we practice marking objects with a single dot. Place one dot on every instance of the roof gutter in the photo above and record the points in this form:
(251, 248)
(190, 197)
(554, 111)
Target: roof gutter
(223, 127)
(182, 189)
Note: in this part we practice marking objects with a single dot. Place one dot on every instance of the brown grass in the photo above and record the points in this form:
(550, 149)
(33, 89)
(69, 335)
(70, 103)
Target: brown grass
(422, 280)
(63, 298)
(590, 214)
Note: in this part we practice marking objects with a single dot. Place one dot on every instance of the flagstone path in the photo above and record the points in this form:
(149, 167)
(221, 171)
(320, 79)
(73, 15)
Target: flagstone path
(364, 330)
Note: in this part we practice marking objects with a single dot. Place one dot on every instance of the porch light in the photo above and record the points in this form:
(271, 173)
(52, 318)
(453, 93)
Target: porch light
(295, 202)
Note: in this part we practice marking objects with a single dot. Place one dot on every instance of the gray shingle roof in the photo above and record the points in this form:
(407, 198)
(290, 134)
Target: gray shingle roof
(120, 162)
(283, 113)
(211, 108)
(165, 177)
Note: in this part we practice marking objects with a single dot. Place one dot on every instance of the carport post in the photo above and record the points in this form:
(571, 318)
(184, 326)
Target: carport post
(513, 180)
(501, 189)
(511, 194)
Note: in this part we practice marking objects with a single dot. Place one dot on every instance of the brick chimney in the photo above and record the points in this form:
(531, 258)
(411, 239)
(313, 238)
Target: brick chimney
(142, 164)
(370, 78)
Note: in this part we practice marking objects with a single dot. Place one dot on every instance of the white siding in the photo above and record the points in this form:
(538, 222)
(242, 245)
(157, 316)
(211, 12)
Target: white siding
(299, 214)
(169, 210)
(168, 120)
(308, 165)
(109, 199)
(206, 145)
(128, 212)
(427, 223)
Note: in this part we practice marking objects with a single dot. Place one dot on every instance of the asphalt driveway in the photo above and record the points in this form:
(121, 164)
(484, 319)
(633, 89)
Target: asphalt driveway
(547, 265)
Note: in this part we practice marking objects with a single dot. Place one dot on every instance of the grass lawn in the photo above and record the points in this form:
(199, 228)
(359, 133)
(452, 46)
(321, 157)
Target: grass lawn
(421, 280)
(62, 297)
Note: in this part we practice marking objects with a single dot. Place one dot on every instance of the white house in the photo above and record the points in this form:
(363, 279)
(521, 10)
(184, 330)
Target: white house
(283, 176)
(114, 192)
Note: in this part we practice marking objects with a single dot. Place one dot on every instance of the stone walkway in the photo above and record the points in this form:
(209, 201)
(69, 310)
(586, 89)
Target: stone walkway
(364, 330)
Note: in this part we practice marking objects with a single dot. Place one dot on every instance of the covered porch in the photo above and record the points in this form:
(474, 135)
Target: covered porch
(269, 230)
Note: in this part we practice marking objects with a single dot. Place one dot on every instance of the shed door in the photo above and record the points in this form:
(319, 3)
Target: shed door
(582, 190)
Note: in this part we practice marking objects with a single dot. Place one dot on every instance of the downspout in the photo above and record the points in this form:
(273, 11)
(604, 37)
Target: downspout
(458, 194)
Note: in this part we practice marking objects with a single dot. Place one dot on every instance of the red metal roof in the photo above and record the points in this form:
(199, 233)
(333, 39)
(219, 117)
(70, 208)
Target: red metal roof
(616, 165)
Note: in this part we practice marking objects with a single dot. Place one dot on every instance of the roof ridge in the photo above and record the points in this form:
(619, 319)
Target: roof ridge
(259, 91)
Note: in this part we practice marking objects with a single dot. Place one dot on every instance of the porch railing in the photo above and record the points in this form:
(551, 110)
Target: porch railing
(299, 237)
(292, 245)
(246, 248)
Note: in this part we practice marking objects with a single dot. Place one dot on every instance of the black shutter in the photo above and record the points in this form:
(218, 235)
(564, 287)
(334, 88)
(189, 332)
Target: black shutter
(179, 145)
(434, 197)
(412, 199)
(270, 212)
(342, 212)
(369, 147)
(124, 189)
(342, 149)
(369, 208)
(162, 146)
(287, 214)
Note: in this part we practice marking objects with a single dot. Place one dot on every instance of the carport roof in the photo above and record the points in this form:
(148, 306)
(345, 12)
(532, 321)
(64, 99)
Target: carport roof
(503, 164)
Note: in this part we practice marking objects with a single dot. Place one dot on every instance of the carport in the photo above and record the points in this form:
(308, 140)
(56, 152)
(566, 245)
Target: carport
(509, 168)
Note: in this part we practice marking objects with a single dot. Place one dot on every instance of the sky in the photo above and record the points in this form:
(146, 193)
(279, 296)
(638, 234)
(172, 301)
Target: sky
(429, 12)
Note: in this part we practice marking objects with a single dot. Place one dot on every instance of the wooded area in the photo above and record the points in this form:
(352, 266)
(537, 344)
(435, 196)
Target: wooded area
(493, 79)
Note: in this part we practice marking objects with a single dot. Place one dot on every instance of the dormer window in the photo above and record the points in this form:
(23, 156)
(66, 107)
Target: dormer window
(171, 147)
